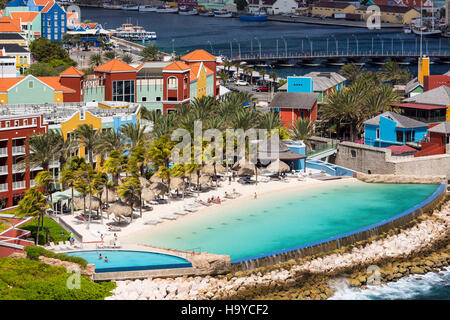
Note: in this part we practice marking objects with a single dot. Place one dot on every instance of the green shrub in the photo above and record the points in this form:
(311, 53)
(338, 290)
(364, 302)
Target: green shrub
(24, 279)
(34, 252)
(57, 233)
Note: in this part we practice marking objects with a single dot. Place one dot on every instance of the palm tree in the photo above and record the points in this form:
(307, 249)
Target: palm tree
(110, 55)
(223, 76)
(86, 175)
(41, 151)
(95, 60)
(227, 64)
(45, 180)
(130, 189)
(301, 129)
(88, 137)
(69, 175)
(262, 72)
(33, 205)
(269, 121)
(392, 71)
(351, 72)
(273, 76)
(114, 165)
(127, 58)
(108, 141)
(134, 134)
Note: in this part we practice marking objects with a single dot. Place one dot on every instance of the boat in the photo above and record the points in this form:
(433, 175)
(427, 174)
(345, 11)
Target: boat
(147, 9)
(134, 33)
(166, 9)
(254, 16)
(426, 32)
(223, 14)
(112, 6)
(185, 11)
(206, 13)
(130, 7)
(407, 30)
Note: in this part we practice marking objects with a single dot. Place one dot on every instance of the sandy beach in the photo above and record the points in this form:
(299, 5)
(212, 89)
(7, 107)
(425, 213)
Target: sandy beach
(137, 228)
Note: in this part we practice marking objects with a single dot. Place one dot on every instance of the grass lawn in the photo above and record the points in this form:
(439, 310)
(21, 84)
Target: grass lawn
(57, 233)
(24, 279)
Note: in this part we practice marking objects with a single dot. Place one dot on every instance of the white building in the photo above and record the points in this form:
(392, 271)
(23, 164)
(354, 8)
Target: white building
(7, 65)
(273, 6)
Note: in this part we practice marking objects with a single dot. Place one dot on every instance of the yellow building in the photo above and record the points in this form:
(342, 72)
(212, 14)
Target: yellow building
(22, 55)
(13, 37)
(392, 14)
(328, 9)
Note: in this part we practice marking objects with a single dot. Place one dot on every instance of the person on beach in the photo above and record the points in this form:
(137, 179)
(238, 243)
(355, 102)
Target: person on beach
(254, 197)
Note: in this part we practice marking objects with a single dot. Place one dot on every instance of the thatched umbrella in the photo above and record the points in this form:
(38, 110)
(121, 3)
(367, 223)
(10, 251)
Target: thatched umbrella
(159, 188)
(147, 194)
(239, 164)
(278, 166)
(156, 178)
(112, 196)
(209, 169)
(119, 209)
(205, 179)
(79, 203)
(177, 183)
(144, 182)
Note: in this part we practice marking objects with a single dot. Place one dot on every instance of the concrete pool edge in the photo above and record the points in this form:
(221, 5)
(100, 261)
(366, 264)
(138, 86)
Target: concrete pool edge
(340, 240)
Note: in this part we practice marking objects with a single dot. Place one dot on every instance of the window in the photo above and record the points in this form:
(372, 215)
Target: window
(172, 83)
(25, 122)
(144, 99)
(34, 121)
(123, 90)
(7, 124)
(158, 98)
(16, 123)
(30, 84)
(378, 133)
(353, 152)
(408, 136)
(399, 136)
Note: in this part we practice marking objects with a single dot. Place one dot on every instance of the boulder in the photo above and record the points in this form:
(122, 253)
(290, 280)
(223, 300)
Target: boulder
(212, 264)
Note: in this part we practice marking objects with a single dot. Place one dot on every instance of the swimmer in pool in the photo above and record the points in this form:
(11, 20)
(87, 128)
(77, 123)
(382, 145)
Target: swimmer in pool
(106, 259)
(100, 256)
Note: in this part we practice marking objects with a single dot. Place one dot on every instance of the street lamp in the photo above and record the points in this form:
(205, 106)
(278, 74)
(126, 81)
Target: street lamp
(259, 43)
(239, 47)
(231, 50)
(382, 44)
(357, 44)
(337, 45)
(285, 46)
(327, 46)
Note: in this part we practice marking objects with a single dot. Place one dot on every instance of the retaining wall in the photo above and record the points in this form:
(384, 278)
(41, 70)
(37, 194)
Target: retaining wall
(342, 239)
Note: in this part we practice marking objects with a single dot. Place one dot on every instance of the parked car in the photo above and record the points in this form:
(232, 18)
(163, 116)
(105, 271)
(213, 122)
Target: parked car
(262, 89)
(241, 83)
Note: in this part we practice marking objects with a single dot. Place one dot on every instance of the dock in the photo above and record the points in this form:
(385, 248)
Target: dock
(328, 21)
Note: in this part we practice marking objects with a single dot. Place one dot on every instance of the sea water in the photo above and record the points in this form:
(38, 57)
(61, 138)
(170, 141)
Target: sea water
(284, 220)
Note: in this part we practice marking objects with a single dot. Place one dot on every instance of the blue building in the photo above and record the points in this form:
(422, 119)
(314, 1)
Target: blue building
(390, 128)
(53, 22)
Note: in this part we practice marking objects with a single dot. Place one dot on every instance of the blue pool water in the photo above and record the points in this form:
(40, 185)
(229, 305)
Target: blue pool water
(289, 219)
(122, 260)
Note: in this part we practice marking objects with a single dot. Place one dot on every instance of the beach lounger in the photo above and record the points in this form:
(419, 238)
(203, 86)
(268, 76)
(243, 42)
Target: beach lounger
(152, 221)
(99, 246)
(181, 212)
(68, 245)
(116, 245)
(78, 245)
(62, 246)
(54, 247)
(170, 217)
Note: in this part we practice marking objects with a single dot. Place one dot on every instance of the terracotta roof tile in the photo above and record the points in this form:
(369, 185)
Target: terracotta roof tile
(9, 25)
(177, 66)
(195, 67)
(7, 83)
(49, 5)
(54, 83)
(24, 16)
(114, 65)
(199, 55)
(72, 71)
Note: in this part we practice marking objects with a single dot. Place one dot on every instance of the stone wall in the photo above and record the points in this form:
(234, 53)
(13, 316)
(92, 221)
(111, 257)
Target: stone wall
(392, 178)
(319, 142)
(374, 160)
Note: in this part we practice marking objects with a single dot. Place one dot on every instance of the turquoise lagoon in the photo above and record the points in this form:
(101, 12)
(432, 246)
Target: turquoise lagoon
(288, 219)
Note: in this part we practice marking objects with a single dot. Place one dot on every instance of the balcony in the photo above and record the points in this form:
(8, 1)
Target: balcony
(3, 152)
(17, 168)
(3, 187)
(3, 169)
(18, 185)
(18, 150)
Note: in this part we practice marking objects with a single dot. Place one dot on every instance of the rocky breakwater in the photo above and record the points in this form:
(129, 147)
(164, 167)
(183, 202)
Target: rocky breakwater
(420, 247)
(392, 178)
(86, 271)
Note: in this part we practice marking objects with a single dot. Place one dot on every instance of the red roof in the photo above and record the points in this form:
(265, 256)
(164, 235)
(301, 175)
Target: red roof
(177, 66)
(115, 65)
(418, 106)
(401, 149)
(199, 55)
(9, 25)
(24, 16)
(49, 5)
(72, 71)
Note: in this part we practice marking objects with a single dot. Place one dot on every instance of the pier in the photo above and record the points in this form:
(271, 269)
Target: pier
(329, 21)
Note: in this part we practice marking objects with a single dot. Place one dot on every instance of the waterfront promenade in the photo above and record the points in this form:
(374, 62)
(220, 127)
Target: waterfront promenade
(329, 22)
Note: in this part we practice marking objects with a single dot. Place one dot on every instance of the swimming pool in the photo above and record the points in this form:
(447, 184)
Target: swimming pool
(126, 260)
(288, 219)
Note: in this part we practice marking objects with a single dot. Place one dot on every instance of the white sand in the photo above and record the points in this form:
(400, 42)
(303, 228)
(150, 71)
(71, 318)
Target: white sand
(138, 228)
